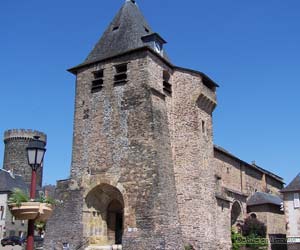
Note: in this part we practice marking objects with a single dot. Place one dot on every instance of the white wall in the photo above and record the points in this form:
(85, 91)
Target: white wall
(293, 215)
(3, 200)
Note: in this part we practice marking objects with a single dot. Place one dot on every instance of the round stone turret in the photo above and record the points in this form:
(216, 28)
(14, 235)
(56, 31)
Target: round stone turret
(15, 155)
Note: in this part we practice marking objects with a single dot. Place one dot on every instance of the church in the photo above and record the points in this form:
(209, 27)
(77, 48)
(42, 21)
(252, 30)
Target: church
(145, 173)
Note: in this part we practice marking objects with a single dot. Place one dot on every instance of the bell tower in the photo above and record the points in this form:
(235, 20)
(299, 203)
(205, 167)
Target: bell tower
(142, 147)
(122, 156)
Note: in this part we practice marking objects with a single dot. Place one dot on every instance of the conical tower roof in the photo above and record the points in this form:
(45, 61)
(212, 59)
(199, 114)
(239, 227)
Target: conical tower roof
(123, 34)
(294, 186)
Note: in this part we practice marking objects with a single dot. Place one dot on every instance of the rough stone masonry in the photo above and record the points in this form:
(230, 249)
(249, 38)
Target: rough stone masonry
(142, 174)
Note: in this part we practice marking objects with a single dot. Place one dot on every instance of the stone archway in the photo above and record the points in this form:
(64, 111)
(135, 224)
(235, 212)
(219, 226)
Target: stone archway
(236, 213)
(103, 217)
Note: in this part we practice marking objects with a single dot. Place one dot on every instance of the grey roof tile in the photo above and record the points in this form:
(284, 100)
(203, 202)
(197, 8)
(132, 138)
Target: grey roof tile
(293, 186)
(123, 34)
(9, 182)
(260, 198)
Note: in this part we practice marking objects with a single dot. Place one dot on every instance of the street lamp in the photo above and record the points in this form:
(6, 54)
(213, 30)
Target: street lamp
(35, 154)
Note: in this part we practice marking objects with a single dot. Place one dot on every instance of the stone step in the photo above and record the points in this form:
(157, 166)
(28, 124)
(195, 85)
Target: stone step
(111, 247)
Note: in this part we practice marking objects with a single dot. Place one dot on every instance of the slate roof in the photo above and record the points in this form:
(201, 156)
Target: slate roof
(294, 186)
(260, 198)
(126, 34)
(8, 182)
(123, 34)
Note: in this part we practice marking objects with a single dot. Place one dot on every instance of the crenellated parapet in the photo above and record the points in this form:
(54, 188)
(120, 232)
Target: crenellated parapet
(24, 134)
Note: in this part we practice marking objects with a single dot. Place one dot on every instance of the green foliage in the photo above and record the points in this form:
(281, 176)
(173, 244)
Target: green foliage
(254, 228)
(44, 199)
(255, 242)
(18, 196)
(188, 247)
(40, 225)
(253, 237)
(237, 240)
(255, 232)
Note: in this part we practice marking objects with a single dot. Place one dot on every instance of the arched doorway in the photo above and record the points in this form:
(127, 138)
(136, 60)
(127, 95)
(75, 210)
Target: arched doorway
(104, 216)
(115, 222)
(236, 214)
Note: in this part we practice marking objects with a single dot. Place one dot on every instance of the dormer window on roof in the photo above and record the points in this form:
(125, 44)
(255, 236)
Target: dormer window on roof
(154, 41)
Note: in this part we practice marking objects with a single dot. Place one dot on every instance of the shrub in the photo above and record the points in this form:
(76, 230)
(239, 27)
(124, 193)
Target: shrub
(254, 227)
(237, 240)
(255, 232)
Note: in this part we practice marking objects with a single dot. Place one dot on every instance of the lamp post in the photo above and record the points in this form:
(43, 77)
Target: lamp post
(35, 153)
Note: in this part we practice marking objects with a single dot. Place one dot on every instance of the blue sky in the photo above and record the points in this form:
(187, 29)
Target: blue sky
(250, 48)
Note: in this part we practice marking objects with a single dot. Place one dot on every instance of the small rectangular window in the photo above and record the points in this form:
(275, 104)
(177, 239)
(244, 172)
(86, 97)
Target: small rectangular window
(296, 200)
(167, 87)
(1, 212)
(97, 83)
(121, 74)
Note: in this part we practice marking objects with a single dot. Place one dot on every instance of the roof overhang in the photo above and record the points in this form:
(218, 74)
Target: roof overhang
(206, 80)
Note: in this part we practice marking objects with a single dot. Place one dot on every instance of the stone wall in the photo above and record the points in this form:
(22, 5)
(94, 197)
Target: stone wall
(238, 180)
(153, 151)
(229, 170)
(223, 225)
(254, 181)
(240, 176)
(65, 225)
(192, 147)
(273, 218)
(122, 139)
(273, 185)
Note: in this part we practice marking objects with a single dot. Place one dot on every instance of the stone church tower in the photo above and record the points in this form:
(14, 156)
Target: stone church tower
(142, 176)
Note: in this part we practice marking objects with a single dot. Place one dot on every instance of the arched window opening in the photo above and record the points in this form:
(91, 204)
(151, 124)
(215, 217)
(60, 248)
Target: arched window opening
(236, 213)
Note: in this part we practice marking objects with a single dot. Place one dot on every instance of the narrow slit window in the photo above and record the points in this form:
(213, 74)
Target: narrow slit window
(203, 127)
(121, 74)
(97, 83)
(167, 87)
(115, 28)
